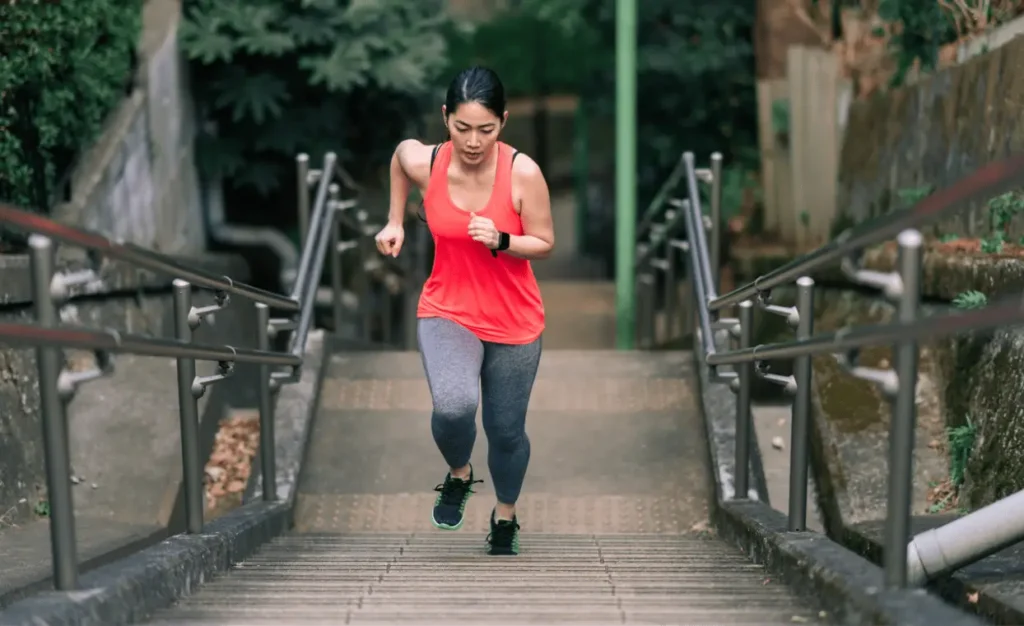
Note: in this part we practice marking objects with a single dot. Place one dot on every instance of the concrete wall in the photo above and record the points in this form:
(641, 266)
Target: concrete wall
(139, 184)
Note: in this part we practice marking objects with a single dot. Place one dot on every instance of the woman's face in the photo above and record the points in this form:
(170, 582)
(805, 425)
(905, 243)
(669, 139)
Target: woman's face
(474, 130)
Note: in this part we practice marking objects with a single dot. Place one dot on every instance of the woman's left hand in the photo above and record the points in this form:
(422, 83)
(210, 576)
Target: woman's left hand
(483, 230)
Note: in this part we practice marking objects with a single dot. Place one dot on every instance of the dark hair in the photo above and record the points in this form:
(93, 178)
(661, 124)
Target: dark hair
(476, 84)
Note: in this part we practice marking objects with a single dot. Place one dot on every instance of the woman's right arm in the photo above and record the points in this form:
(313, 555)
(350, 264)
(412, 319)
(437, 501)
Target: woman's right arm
(410, 165)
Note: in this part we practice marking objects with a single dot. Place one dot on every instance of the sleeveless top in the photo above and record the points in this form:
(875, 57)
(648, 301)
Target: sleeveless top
(496, 297)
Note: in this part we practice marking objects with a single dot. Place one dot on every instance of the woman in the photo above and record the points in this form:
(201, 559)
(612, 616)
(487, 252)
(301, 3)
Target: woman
(480, 313)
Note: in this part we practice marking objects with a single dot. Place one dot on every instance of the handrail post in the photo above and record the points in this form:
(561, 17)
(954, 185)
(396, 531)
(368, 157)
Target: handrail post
(336, 269)
(716, 220)
(188, 411)
(55, 431)
(745, 376)
(302, 198)
(904, 416)
(799, 439)
(268, 439)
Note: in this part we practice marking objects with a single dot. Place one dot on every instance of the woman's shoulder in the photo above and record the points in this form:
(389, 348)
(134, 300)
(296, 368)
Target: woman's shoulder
(524, 168)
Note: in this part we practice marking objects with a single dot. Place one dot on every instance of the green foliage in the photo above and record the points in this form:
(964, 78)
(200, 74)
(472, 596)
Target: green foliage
(695, 72)
(1001, 211)
(961, 442)
(910, 196)
(64, 66)
(280, 77)
(695, 81)
(923, 27)
(533, 51)
(970, 300)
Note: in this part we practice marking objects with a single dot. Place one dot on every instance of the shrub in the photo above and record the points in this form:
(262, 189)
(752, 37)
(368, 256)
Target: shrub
(278, 77)
(63, 68)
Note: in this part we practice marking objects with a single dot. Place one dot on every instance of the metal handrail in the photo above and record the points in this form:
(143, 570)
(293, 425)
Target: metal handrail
(984, 183)
(840, 342)
(57, 386)
(113, 341)
(25, 221)
(929, 554)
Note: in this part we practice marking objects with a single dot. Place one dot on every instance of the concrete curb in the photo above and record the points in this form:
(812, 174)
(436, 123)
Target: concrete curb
(132, 588)
(841, 583)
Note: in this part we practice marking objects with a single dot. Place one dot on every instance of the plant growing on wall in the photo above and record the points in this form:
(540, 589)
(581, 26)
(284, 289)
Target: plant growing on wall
(63, 69)
(278, 77)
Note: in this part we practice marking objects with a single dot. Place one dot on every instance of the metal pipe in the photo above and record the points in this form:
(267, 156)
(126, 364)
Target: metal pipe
(716, 219)
(56, 448)
(188, 411)
(625, 170)
(302, 196)
(674, 221)
(799, 440)
(903, 423)
(699, 238)
(337, 312)
(1007, 311)
(985, 182)
(224, 232)
(966, 540)
(651, 212)
(268, 438)
(316, 225)
(671, 290)
(322, 239)
(18, 219)
(31, 335)
(707, 338)
(745, 374)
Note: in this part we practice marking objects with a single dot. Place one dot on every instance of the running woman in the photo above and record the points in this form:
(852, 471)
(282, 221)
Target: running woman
(480, 314)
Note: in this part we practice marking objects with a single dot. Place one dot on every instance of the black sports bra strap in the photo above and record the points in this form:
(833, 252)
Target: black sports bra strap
(433, 155)
(422, 211)
(515, 153)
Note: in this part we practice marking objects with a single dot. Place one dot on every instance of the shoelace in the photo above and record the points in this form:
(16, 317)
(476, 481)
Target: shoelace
(453, 490)
(504, 532)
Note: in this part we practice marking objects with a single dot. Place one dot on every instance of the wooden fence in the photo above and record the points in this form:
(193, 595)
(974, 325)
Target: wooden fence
(801, 120)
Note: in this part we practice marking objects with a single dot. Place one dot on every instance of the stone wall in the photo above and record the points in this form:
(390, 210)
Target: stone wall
(930, 134)
(933, 132)
(138, 183)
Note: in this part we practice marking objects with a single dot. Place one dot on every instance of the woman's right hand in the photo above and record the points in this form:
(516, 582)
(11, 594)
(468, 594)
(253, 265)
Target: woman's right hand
(389, 240)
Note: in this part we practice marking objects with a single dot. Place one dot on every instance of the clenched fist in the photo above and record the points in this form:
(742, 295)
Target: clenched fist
(483, 230)
(389, 240)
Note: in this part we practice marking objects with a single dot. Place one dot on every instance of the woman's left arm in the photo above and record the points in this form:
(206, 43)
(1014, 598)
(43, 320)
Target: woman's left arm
(538, 238)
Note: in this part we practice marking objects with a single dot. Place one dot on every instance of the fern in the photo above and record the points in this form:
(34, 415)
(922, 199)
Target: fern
(282, 76)
(970, 300)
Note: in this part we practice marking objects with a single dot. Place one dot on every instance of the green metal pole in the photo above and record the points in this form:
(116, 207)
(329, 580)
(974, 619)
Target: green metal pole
(625, 170)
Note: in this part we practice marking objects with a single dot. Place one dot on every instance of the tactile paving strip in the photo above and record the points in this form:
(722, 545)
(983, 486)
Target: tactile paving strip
(539, 513)
(447, 578)
(603, 394)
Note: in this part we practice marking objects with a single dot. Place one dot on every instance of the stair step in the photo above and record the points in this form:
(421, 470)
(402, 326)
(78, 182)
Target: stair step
(421, 579)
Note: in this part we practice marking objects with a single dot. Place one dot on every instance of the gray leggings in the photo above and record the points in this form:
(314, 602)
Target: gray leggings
(458, 367)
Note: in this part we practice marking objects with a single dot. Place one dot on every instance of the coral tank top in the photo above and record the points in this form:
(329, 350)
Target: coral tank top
(495, 298)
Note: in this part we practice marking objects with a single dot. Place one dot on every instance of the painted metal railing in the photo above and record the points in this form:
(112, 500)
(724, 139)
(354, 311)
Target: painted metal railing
(678, 226)
(293, 313)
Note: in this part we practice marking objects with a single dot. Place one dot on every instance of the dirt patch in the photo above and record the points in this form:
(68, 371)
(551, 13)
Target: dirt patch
(230, 464)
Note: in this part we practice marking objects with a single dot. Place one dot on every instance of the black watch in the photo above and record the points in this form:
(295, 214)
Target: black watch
(504, 241)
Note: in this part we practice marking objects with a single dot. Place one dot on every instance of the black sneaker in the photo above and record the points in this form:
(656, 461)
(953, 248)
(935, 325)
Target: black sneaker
(450, 506)
(504, 537)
